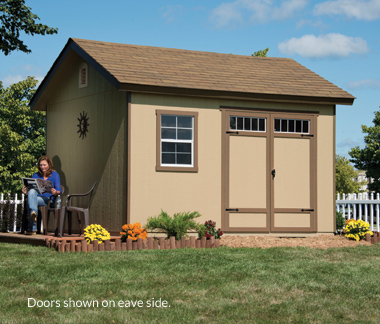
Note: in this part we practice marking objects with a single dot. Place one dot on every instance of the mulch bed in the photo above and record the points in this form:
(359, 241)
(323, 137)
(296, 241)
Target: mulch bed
(316, 242)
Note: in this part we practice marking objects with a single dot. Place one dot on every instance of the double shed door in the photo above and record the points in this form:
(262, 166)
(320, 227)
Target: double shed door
(269, 172)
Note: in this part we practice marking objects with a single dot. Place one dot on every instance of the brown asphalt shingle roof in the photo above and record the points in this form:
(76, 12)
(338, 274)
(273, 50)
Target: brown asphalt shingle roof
(185, 72)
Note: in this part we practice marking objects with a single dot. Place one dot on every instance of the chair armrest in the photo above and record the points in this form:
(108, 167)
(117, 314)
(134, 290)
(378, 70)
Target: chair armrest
(68, 203)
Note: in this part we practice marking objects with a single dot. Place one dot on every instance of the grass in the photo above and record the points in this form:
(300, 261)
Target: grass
(277, 285)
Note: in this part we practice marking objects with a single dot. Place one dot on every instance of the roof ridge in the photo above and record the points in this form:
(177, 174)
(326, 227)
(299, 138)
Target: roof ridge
(79, 40)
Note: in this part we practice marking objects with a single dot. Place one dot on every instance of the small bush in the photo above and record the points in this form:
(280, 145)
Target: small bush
(177, 226)
(340, 220)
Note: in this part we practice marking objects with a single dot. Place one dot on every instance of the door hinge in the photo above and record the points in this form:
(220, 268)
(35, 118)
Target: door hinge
(307, 210)
(307, 135)
(232, 209)
(228, 132)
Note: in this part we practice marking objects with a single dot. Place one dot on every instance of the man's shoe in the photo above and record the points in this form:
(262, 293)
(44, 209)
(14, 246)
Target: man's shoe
(33, 216)
(30, 233)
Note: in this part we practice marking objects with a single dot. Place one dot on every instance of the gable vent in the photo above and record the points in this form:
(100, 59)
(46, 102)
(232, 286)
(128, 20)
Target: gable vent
(83, 75)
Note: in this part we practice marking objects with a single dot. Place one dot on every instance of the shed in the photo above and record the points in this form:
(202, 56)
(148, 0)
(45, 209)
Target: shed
(248, 142)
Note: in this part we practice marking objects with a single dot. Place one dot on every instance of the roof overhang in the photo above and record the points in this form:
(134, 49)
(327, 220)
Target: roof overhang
(70, 46)
(38, 102)
(234, 95)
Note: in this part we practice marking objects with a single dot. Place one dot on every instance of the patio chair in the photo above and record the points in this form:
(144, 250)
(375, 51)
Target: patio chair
(42, 217)
(45, 214)
(69, 209)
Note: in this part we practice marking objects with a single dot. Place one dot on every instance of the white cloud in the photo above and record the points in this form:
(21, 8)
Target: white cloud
(171, 12)
(366, 84)
(348, 143)
(336, 45)
(225, 14)
(359, 9)
(11, 79)
(257, 11)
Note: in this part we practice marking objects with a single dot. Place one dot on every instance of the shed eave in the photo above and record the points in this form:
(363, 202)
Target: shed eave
(349, 100)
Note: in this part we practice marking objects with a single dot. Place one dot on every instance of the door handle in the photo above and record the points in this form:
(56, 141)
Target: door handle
(273, 173)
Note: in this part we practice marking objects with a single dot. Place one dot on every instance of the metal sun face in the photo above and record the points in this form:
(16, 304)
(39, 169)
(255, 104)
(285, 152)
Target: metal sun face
(83, 125)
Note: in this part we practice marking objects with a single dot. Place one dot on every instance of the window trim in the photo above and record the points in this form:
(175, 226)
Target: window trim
(179, 168)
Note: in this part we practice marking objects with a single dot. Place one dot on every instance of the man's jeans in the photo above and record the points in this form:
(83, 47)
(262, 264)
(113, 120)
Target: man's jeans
(34, 201)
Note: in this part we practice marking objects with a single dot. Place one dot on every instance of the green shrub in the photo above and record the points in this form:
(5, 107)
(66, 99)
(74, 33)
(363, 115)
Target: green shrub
(340, 221)
(177, 226)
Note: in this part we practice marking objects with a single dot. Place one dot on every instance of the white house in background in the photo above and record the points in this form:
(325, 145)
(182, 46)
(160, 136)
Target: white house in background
(362, 178)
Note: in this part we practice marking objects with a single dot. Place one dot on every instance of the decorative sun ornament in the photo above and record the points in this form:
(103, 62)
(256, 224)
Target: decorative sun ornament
(83, 125)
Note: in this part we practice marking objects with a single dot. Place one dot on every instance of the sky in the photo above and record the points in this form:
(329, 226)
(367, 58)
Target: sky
(337, 39)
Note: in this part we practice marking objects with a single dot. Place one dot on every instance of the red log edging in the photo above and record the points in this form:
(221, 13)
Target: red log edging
(373, 239)
(80, 245)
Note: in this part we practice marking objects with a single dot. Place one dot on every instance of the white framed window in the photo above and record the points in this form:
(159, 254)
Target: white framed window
(298, 126)
(248, 124)
(83, 75)
(177, 141)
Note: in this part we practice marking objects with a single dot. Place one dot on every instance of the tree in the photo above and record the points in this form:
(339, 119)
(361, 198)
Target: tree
(368, 158)
(262, 53)
(15, 16)
(22, 134)
(344, 176)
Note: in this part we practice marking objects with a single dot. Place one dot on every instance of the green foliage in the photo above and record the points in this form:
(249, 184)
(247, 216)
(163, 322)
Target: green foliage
(262, 53)
(177, 226)
(15, 16)
(368, 158)
(340, 220)
(344, 176)
(22, 135)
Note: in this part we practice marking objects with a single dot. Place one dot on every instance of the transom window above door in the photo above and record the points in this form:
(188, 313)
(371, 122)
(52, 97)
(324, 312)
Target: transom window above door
(249, 124)
(300, 126)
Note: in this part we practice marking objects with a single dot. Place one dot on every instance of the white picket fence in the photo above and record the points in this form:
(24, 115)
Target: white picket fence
(4, 199)
(362, 206)
(357, 206)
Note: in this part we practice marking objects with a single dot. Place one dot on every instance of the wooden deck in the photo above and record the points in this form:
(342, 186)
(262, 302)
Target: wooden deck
(38, 239)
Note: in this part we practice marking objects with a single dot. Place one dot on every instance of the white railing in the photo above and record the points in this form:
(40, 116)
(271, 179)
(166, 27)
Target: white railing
(4, 199)
(357, 206)
(362, 206)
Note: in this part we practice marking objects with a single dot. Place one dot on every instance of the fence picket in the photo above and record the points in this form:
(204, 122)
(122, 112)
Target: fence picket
(363, 206)
(15, 202)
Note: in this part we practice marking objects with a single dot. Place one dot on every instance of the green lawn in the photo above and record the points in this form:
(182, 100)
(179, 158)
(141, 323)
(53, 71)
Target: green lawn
(277, 285)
